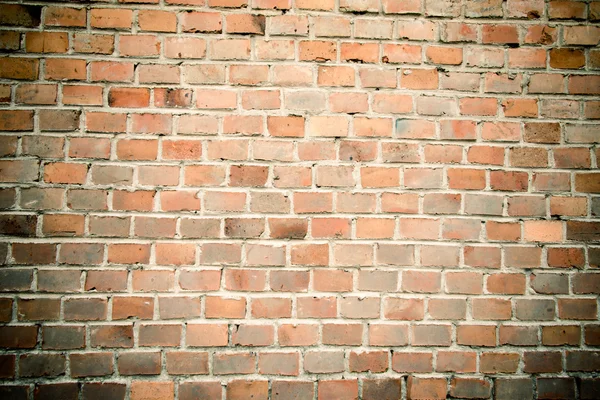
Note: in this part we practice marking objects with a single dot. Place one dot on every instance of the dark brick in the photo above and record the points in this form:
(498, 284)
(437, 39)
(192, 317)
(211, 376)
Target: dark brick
(91, 364)
(18, 337)
(583, 231)
(104, 391)
(13, 392)
(39, 365)
(20, 15)
(63, 337)
(12, 280)
(470, 388)
(34, 253)
(584, 361)
(138, 363)
(18, 225)
(542, 361)
(589, 389)
(556, 388)
(200, 390)
(62, 391)
(292, 390)
(381, 389)
(510, 389)
(7, 365)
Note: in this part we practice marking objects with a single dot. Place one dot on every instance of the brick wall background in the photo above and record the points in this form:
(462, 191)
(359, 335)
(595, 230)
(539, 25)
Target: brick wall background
(342, 199)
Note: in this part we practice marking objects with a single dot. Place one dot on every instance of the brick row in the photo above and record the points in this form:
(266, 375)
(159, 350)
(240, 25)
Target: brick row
(287, 363)
(367, 388)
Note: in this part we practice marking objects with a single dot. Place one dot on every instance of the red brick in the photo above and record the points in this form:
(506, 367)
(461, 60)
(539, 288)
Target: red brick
(82, 309)
(245, 280)
(439, 256)
(139, 363)
(56, 390)
(377, 177)
(426, 388)
(577, 309)
(19, 68)
(229, 49)
(298, 334)
(338, 389)
(38, 309)
(154, 20)
(148, 280)
(106, 281)
(18, 337)
(464, 282)
(42, 365)
(403, 309)
(127, 307)
(289, 281)
(244, 389)
(518, 335)
(36, 94)
(63, 16)
(159, 335)
(153, 73)
(491, 309)
(105, 122)
(498, 362)
(342, 334)
(194, 390)
(49, 281)
(401, 203)
(412, 362)
(91, 364)
(144, 389)
(271, 308)
(470, 387)
(16, 120)
(217, 253)
(359, 52)
(444, 55)
(193, 21)
(316, 307)
(221, 307)
(317, 51)
(170, 307)
(373, 78)
(315, 5)
(286, 364)
(203, 280)
(373, 361)
(456, 361)
(34, 253)
(129, 97)
(65, 69)
(287, 389)
(111, 18)
(335, 280)
(443, 154)
(506, 283)
(476, 335)
(445, 309)
(206, 335)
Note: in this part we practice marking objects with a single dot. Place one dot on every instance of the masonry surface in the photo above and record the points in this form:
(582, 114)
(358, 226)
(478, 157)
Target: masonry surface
(299, 199)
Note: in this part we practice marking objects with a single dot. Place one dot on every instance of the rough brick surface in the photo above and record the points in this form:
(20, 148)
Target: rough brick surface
(308, 199)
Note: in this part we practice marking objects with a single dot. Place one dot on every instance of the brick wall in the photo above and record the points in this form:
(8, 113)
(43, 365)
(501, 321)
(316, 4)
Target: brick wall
(332, 199)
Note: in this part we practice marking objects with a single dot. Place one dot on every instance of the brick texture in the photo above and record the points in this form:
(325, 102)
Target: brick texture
(308, 199)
